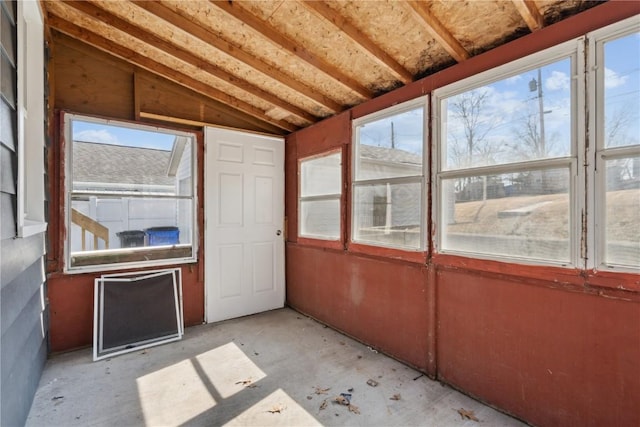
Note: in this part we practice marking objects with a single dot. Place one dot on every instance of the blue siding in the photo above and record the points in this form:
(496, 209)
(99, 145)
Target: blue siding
(23, 320)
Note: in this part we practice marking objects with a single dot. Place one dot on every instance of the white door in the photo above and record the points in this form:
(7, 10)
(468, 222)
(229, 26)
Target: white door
(244, 215)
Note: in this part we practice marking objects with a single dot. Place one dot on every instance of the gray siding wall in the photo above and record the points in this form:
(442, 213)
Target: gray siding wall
(23, 321)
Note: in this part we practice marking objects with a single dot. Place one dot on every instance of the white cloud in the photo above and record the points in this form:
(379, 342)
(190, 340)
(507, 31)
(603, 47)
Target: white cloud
(613, 79)
(513, 80)
(102, 136)
(558, 81)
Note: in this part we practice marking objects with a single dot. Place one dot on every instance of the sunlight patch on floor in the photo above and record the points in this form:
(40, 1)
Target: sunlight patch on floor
(277, 409)
(173, 395)
(229, 369)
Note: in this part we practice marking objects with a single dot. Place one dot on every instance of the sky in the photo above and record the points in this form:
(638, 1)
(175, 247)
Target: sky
(117, 135)
(510, 105)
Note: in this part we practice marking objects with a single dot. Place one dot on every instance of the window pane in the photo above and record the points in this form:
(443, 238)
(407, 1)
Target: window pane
(523, 214)
(320, 219)
(391, 147)
(622, 91)
(388, 214)
(524, 117)
(131, 194)
(321, 175)
(118, 159)
(111, 224)
(622, 226)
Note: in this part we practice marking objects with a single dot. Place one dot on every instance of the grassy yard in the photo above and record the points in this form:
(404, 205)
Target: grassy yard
(550, 217)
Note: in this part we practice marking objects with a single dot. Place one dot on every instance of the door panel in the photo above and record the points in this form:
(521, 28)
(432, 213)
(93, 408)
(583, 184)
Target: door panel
(244, 215)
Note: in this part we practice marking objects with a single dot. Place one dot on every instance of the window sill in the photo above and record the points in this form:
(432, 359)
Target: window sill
(572, 277)
(386, 252)
(130, 258)
(321, 243)
(29, 228)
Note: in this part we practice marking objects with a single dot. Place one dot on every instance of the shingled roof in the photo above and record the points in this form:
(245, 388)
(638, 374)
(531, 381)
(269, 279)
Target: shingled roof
(391, 155)
(107, 163)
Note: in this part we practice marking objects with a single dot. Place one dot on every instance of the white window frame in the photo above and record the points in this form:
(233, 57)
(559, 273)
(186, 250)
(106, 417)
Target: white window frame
(423, 102)
(68, 119)
(573, 49)
(31, 110)
(597, 153)
(328, 196)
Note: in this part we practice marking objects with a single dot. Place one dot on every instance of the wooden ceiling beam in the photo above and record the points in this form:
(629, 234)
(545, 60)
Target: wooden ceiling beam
(98, 41)
(438, 31)
(295, 48)
(188, 57)
(236, 52)
(530, 13)
(322, 10)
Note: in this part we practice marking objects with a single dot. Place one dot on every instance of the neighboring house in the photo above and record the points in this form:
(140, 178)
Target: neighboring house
(114, 203)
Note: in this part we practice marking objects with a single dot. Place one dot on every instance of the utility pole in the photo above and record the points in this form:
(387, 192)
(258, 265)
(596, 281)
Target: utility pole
(533, 86)
(393, 137)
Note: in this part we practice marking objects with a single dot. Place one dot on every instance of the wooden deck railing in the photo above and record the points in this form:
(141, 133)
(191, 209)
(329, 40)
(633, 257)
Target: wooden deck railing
(89, 224)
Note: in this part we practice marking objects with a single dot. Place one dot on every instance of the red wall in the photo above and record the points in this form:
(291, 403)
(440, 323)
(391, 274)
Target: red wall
(71, 306)
(551, 356)
(552, 346)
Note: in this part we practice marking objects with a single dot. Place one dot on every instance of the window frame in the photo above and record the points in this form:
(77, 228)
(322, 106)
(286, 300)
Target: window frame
(68, 194)
(597, 152)
(573, 50)
(31, 118)
(424, 102)
(334, 196)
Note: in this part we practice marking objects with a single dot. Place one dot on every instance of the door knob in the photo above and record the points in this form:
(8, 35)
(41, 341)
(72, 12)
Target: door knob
(279, 232)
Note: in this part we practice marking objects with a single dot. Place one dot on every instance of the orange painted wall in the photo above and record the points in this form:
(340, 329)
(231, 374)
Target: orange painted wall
(553, 346)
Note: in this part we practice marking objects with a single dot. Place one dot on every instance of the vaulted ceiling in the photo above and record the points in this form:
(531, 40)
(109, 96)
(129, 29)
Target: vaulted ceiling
(291, 63)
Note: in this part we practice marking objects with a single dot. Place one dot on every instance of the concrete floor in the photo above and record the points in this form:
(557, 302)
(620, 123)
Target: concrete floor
(274, 368)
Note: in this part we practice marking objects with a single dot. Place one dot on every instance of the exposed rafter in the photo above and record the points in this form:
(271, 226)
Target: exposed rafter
(214, 40)
(186, 56)
(530, 13)
(438, 31)
(237, 11)
(375, 52)
(90, 37)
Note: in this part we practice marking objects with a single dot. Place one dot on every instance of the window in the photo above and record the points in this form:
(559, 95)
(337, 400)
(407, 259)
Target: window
(320, 193)
(31, 119)
(507, 161)
(388, 183)
(617, 166)
(130, 194)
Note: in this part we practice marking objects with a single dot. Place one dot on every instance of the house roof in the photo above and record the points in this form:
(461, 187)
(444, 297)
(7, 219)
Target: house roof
(392, 155)
(287, 64)
(107, 163)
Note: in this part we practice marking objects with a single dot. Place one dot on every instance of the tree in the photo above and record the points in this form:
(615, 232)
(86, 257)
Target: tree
(468, 110)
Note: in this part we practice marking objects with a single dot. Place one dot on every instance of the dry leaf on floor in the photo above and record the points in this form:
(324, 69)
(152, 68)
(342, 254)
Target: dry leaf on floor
(469, 415)
(320, 390)
(395, 397)
(354, 409)
(247, 383)
(323, 405)
(277, 409)
(341, 400)
(372, 383)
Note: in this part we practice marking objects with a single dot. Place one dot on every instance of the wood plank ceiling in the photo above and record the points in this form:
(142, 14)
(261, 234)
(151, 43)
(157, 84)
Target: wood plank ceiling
(291, 63)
